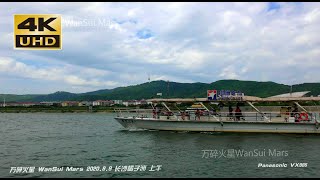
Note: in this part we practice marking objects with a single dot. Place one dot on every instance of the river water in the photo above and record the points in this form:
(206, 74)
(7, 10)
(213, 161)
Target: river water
(95, 142)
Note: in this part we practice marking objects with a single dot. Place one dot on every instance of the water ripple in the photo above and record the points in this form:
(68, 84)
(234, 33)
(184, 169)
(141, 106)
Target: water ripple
(64, 140)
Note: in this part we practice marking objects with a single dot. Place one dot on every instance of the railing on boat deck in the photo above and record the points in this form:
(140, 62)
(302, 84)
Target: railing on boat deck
(222, 116)
(247, 116)
(128, 112)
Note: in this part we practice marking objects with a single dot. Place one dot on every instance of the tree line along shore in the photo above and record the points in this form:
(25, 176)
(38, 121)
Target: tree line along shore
(270, 107)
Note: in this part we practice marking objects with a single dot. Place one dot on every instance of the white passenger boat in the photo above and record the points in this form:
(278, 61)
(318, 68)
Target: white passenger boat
(257, 122)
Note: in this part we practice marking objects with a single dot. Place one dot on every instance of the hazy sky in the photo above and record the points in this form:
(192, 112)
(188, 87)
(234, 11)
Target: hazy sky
(106, 45)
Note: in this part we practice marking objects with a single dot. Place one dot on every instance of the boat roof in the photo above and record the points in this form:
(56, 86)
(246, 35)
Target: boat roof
(244, 98)
(294, 94)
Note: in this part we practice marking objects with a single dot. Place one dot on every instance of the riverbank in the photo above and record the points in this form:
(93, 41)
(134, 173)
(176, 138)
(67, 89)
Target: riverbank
(56, 109)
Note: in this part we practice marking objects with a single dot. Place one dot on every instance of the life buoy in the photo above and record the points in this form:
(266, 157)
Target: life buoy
(303, 116)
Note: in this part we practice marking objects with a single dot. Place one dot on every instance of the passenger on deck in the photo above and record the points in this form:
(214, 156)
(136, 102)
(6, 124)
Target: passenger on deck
(238, 113)
(230, 113)
(183, 115)
(213, 111)
(295, 114)
(197, 114)
(187, 115)
(154, 113)
(168, 113)
(288, 111)
(158, 111)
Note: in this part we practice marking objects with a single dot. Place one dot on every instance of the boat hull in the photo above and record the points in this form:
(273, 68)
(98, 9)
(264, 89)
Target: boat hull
(216, 126)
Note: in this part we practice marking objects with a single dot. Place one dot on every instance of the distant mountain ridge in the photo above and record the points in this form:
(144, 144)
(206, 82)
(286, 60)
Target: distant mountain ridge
(182, 90)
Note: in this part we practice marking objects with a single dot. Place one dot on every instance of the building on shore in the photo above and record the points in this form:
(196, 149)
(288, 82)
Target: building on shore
(118, 102)
(50, 103)
(69, 103)
(103, 103)
(134, 102)
(20, 104)
(85, 103)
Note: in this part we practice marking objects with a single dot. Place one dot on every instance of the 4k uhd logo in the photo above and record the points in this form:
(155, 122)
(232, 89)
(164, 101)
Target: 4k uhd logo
(37, 31)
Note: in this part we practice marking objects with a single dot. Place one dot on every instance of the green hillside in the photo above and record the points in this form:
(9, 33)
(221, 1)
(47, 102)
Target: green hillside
(172, 90)
(57, 96)
(13, 97)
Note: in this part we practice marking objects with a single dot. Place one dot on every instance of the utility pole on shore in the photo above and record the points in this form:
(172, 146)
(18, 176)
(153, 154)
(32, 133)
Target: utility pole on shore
(4, 101)
(168, 94)
(90, 108)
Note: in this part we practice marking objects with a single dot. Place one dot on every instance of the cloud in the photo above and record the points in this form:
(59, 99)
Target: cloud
(117, 44)
(67, 74)
(229, 73)
(312, 16)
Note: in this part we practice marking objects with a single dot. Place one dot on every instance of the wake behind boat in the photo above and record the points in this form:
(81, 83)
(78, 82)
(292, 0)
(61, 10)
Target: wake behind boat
(207, 119)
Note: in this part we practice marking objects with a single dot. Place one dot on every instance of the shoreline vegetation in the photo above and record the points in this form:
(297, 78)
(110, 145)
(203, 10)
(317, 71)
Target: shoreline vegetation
(56, 110)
